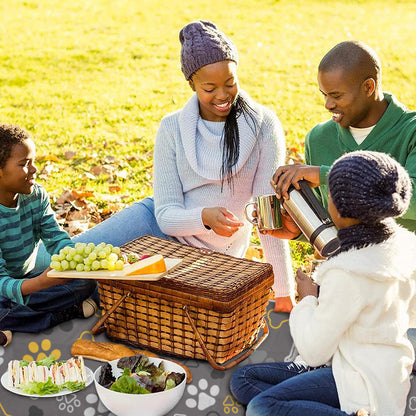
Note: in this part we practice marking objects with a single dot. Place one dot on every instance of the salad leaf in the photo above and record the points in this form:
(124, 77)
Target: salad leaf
(41, 388)
(127, 384)
(106, 378)
(170, 384)
(47, 361)
(74, 385)
(24, 363)
(140, 376)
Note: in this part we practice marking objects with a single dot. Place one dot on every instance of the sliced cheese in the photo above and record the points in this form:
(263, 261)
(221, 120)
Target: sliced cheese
(151, 265)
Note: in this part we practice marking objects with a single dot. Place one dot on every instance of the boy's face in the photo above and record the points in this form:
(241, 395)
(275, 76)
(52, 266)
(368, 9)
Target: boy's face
(18, 174)
(347, 97)
(216, 86)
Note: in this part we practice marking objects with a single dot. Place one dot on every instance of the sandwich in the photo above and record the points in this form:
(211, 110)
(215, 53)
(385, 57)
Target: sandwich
(22, 373)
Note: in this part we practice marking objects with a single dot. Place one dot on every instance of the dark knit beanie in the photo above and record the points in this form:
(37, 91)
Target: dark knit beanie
(369, 186)
(203, 44)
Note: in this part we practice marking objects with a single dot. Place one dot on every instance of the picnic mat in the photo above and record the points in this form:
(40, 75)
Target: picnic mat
(207, 395)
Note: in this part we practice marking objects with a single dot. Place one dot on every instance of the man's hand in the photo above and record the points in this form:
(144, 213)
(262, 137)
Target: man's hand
(221, 221)
(291, 174)
(305, 285)
(289, 228)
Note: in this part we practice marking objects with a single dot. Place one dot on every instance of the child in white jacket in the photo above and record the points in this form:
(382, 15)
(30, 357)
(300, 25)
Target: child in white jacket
(355, 331)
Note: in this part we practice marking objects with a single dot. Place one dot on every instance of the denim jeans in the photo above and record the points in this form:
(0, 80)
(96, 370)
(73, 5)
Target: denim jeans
(286, 389)
(48, 307)
(132, 222)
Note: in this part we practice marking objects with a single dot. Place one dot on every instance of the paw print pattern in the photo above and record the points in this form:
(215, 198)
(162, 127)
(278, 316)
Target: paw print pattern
(231, 406)
(412, 403)
(203, 399)
(68, 403)
(95, 408)
(274, 320)
(34, 411)
(42, 352)
(260, 356)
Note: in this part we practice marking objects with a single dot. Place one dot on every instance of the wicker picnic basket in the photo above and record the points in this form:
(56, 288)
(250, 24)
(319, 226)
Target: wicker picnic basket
(211, 306)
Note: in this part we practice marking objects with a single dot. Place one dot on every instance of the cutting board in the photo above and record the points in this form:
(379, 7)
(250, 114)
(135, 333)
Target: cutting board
(115, 274)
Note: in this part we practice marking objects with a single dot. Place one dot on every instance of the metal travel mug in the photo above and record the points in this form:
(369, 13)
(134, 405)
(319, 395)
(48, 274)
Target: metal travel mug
(268, 212)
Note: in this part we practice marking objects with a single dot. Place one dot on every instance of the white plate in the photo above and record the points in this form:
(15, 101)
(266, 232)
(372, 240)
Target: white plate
(116, 274)
(90, 377)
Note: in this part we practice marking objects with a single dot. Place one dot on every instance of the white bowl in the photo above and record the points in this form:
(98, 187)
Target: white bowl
(153, 404)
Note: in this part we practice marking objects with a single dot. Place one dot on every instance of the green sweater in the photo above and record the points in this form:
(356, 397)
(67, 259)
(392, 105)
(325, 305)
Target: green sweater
(21, 230)
(395, 134)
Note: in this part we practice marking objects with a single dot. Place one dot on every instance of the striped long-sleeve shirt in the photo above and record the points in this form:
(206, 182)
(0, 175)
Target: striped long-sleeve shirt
(21, 230)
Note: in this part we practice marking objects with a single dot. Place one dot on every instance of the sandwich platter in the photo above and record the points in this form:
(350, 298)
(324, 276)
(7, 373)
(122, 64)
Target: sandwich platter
(15, 390)
(21, 377)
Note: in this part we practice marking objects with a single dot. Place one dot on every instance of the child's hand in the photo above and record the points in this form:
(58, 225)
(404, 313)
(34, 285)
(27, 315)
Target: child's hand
(35, 284)
(305, 285)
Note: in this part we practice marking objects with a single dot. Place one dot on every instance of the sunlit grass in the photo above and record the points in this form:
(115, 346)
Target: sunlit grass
(96, 76)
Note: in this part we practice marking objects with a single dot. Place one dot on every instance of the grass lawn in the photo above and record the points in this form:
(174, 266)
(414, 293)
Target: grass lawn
(91, 79)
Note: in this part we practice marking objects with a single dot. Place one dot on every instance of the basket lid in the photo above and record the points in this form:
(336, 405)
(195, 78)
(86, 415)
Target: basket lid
(202, 272)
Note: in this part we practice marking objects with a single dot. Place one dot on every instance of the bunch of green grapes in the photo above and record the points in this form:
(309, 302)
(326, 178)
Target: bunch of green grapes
(85, 257)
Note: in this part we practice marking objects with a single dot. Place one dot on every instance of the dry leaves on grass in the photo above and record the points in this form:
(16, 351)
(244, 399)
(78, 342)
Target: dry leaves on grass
(76, 213)
(75, 209)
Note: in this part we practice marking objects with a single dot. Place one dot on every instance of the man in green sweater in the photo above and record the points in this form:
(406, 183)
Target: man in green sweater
(363, 118)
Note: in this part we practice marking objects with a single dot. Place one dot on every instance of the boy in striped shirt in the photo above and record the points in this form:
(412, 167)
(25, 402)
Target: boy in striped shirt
(30, 301)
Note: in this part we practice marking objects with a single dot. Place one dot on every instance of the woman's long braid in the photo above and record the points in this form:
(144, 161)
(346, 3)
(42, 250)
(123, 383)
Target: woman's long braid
(231, 137)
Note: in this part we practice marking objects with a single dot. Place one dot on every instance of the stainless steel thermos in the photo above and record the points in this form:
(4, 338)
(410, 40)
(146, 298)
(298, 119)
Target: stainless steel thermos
(312, 218)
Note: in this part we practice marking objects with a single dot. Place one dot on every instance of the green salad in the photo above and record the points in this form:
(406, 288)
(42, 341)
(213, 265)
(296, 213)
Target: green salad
(139, 376)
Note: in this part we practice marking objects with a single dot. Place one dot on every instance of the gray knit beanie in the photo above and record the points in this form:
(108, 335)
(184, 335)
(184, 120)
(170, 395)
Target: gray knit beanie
(203, 44)
(369, 186)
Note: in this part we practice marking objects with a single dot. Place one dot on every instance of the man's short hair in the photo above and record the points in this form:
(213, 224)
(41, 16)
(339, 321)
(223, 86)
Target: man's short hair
(354, 57)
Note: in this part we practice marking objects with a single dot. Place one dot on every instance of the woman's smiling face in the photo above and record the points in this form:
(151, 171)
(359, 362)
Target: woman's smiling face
(216, 86)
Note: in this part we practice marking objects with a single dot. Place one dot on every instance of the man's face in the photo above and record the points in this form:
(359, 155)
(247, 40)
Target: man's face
(346, 97)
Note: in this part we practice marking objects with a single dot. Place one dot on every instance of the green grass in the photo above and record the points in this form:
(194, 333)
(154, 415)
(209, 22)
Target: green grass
(96, 76)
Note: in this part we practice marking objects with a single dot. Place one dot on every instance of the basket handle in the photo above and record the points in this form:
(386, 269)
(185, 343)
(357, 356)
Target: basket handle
(233, 362)
(99, 326)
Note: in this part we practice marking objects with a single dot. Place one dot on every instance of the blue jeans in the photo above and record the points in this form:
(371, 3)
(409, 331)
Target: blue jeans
(48, 307)
(286, 389)
(132, 222)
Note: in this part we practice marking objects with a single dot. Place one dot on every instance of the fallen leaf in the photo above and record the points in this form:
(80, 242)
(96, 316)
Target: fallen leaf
(114, 188)
(70, 154)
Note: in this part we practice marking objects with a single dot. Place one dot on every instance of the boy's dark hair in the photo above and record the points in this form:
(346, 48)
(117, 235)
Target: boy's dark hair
(10, 136)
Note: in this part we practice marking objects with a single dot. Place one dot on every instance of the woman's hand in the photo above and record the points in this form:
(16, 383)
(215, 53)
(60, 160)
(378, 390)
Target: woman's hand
(291, 174)
(305, 285)
(221, 221)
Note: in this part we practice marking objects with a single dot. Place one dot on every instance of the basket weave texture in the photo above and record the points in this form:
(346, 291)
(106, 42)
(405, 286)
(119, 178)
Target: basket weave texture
(225, 297)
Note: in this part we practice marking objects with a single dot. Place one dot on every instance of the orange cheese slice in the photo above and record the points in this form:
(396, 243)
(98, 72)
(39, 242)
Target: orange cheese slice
(151, 265)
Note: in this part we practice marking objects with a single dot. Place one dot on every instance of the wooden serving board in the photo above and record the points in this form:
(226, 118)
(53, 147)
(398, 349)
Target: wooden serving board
(115, 274)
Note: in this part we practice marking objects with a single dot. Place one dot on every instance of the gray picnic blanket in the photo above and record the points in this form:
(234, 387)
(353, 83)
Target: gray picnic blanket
(207, 395)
